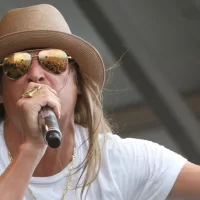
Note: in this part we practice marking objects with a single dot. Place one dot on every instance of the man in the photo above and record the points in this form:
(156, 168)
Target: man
(45, 65)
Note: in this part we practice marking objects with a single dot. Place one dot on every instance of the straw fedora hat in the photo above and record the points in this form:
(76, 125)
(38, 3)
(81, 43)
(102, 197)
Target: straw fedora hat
(43, 26)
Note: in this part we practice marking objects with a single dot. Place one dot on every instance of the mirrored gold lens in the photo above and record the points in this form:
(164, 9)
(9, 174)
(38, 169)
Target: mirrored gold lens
(53, 60)
(16, 65)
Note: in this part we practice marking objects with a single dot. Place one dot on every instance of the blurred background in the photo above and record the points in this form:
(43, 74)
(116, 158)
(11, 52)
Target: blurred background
(151, 50)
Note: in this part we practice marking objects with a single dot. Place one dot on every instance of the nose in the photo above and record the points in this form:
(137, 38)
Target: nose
(36, 72)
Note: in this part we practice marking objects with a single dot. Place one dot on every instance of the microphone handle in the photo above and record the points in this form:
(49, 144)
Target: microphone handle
(49, 127)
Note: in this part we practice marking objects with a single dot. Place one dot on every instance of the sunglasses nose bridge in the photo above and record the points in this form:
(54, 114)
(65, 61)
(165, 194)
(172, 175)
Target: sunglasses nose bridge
(33, 56)
(36, 72)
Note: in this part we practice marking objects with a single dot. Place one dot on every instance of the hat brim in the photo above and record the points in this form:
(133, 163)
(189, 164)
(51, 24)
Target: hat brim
(85, 54)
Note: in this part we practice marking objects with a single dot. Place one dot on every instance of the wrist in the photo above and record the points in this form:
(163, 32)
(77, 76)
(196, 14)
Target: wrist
(34, 151)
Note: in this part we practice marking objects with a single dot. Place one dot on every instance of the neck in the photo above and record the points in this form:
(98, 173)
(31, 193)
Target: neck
(54, 160)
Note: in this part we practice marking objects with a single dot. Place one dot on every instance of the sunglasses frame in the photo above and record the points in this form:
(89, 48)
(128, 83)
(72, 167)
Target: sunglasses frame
(33, 56)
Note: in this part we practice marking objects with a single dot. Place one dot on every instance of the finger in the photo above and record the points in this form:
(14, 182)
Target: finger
(51, 102)
(42, 86)
(44, 96)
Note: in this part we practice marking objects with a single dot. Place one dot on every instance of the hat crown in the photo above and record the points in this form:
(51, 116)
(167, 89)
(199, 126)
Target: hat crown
(33, 18)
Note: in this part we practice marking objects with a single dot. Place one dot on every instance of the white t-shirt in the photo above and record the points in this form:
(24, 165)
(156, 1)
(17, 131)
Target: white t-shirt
(132, 169)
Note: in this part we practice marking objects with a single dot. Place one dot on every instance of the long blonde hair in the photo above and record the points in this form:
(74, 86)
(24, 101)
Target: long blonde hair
(89, 113)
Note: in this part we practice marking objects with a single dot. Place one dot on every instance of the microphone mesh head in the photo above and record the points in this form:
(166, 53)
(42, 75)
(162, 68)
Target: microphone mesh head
(53, 139)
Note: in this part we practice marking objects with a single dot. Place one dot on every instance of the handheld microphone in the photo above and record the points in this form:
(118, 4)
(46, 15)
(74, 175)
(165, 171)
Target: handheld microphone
(49, 127)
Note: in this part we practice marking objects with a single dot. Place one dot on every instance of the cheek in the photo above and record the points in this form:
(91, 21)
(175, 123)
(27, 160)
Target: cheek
(68, 97)
(11, 89)
(11, 92)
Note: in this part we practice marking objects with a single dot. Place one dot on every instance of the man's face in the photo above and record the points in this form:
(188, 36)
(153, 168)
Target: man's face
(62, 83)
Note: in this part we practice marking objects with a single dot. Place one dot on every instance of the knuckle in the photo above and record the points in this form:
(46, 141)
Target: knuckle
(45, 89)
(21, 104)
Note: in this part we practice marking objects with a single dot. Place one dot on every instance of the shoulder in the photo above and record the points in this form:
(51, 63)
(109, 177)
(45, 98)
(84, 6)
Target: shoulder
(115, 147)
(128, 147)
(132, 154)
(136, 167)
(132, 147)
(141, 167)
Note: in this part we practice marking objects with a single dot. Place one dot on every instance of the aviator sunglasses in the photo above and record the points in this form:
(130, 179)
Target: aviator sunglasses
(17, 64)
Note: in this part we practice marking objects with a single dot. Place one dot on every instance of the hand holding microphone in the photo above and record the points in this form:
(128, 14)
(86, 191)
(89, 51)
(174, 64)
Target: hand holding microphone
(38, 116)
